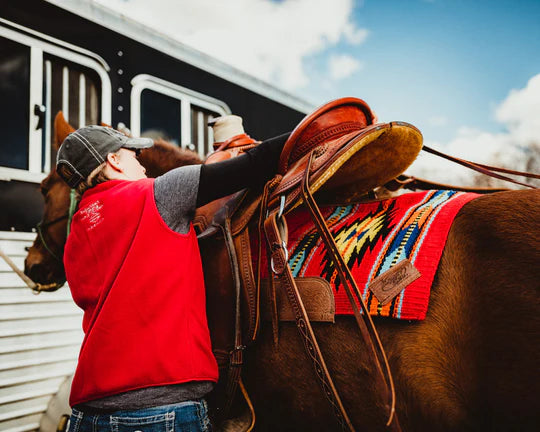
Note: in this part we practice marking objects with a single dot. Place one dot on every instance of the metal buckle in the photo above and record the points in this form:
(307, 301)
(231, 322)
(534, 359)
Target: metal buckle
(284, 247)
(281, 206)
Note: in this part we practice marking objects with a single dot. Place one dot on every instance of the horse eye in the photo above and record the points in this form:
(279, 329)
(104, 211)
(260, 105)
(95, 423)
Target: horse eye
(44, 191)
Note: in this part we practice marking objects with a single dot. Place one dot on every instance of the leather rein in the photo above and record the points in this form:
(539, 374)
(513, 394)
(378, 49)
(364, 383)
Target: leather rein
(488, 170)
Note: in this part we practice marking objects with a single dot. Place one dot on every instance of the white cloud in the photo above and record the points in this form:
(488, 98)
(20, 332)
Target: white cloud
(519, 113)
(354, 35)
(265, 38)
(342, 66)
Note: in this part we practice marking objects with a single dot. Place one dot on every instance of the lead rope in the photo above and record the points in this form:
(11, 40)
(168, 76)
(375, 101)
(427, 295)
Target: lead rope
(73, 202)
(29, 282)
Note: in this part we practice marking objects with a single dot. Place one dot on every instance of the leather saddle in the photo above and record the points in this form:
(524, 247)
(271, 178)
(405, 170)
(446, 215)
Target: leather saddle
(351, 151)
(337, 147)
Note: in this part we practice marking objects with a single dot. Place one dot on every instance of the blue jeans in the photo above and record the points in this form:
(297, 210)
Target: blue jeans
(189, 416)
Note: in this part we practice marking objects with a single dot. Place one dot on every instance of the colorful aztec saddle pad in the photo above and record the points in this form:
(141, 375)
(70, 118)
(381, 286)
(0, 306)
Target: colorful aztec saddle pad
(373, 237)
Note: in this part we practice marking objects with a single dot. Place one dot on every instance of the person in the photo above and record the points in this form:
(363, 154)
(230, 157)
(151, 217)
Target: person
(133, 265)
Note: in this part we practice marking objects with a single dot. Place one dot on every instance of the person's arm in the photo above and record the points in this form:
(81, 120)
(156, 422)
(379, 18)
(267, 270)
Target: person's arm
(178, 192)
(250, 169)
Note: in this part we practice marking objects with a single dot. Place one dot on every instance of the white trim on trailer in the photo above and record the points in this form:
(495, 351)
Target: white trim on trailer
(48, 116)
(82, 100)
(36, 99)
(185, 114)
(65, 92)
(200, 134)
(8, 174)
(185, 96)
(108, 18)
(59, 42)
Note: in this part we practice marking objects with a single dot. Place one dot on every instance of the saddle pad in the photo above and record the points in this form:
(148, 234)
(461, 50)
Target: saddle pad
(373, 237)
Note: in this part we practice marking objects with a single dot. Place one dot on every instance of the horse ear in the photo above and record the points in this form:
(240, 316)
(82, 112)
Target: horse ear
(61, 129)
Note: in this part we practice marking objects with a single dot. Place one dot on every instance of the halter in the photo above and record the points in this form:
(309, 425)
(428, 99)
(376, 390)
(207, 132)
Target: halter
(69, 216)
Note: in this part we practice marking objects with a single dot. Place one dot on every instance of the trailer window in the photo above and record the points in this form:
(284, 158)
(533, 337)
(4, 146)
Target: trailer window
(15, 95)
(160, 116)
(163, 109)
(202, 135)
(73, 89)
(39, 76)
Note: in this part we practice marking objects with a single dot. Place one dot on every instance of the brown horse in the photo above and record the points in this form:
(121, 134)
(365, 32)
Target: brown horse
(472, 364)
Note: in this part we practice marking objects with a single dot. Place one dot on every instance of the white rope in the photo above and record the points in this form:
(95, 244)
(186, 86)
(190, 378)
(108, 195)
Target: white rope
(31, 284)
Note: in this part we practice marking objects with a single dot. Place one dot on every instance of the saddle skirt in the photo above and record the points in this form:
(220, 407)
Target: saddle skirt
(374, 237)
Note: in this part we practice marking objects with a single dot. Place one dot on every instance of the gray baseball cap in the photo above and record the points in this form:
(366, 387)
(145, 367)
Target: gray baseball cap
(87, 148)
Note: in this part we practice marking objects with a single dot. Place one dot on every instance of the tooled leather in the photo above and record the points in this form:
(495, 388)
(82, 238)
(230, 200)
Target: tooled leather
(247, 280)
(335, 112)
(303, 325)
(329, 152)
(365, 323)
(331, 133)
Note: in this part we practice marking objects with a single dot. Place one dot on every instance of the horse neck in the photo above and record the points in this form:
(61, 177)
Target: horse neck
(164, 156)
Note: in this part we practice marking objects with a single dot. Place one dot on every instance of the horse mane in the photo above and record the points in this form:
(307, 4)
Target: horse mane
(164, 156)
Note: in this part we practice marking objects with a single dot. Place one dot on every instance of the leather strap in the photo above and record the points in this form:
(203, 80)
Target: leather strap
(415, 183)
(268, 187)
(236, 141)
(280, 267)
(384, 380)
(236, 355)
(486, 169)
(247, 283)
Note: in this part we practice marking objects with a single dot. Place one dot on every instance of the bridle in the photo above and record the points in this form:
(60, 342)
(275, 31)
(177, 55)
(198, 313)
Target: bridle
(41, 226)
(41, 229)
(69, 216)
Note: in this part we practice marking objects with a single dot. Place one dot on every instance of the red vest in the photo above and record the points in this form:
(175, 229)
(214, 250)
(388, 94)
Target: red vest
(141, 287)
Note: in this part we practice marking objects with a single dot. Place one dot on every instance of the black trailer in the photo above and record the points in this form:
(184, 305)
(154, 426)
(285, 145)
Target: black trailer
(98, 66)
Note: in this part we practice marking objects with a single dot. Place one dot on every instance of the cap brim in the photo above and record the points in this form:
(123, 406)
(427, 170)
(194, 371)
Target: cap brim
(138, 143)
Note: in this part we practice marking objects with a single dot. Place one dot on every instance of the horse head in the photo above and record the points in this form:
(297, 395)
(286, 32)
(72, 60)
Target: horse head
(44, 263)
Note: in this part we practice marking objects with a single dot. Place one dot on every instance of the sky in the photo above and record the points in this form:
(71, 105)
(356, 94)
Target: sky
(466, 73)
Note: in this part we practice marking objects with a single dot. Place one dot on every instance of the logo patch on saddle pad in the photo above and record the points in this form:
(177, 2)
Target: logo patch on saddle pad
(375, 238)
(388, 285)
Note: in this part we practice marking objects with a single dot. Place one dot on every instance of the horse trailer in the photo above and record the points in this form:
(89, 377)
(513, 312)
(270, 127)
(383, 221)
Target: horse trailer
(96, 66)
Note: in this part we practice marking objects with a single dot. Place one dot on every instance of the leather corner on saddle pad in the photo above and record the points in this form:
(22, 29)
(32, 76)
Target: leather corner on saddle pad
(316, 294)
(389, 284)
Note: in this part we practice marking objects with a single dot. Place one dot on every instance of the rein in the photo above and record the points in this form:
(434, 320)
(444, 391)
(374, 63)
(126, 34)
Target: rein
(69, 216)
(488, 170)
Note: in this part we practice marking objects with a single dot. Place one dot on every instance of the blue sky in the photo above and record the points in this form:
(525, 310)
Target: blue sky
(466, 73)
(448, 62)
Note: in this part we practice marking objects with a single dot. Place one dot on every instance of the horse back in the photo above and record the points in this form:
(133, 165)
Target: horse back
(470, 365)
(473, 362)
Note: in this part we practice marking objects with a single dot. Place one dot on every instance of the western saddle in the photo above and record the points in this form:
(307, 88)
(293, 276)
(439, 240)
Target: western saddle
(339, 150)
(337, 147)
